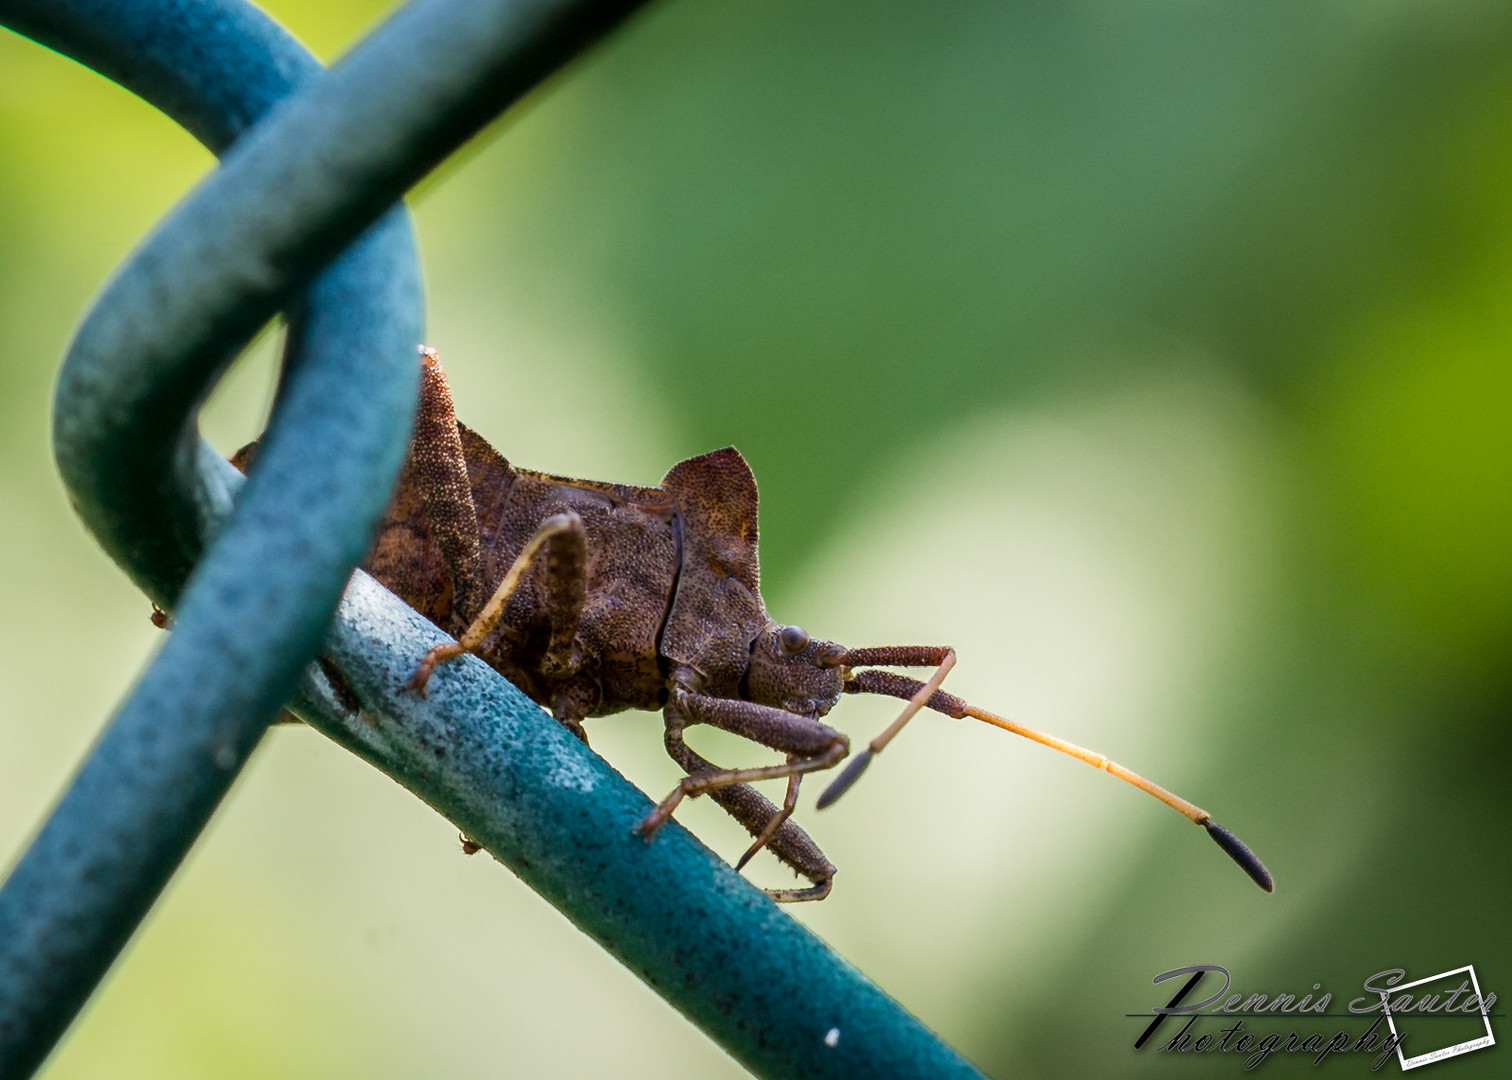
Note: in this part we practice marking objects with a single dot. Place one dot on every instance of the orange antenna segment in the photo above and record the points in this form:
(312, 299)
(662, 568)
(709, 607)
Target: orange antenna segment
(928, 694)
(1097, 761)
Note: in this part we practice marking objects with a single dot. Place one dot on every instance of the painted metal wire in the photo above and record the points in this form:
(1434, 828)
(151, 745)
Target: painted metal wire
(299, 218)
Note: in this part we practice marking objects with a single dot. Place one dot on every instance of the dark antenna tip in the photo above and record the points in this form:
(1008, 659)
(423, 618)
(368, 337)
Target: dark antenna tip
(848, 776)
(1239, 851)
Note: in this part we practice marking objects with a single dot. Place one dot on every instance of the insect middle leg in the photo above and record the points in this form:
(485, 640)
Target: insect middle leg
(441, 475)
(563, 543)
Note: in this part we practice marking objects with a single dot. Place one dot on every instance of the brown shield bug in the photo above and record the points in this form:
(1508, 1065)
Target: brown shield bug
(594, 598)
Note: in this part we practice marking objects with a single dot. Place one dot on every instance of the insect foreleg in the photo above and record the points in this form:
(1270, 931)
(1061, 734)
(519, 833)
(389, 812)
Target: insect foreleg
(789, 804)
(755, 811)
(810, 746)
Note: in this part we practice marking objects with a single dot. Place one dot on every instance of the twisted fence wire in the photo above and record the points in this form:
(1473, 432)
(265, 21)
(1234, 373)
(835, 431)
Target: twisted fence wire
(307, 182)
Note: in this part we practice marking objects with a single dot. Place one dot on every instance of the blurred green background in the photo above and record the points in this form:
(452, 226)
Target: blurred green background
(1156, 356)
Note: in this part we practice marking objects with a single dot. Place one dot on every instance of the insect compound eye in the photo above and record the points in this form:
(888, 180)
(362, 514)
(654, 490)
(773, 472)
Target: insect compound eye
(793, 639)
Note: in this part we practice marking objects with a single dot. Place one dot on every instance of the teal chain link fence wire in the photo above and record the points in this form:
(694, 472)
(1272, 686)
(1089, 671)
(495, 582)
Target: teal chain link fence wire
(301, 217)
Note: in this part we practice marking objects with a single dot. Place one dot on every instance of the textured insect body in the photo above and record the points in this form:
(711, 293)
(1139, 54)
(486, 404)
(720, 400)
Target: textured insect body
(669, 595)
(593, 598)
(630, 562)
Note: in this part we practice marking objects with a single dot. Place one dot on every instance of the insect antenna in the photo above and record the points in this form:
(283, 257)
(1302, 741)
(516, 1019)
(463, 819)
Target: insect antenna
(918, 694)
(928, 694)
